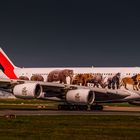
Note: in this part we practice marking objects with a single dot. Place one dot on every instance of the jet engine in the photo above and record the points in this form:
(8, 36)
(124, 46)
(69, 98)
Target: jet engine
(80, 96)
(27, 91)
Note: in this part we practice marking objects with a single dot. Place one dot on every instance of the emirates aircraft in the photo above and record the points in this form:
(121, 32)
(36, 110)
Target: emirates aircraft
(77, 87)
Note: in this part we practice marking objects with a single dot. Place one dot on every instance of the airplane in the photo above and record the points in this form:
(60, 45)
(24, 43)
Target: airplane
(76, 87)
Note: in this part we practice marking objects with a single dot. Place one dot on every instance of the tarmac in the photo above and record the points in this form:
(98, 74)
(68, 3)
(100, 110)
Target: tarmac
(107, 111)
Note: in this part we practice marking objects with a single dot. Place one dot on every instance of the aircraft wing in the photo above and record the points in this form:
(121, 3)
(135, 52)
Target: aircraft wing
(64, 92)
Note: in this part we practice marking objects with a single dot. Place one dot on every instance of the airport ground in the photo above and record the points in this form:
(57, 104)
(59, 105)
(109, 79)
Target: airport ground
(40, 120)
(71, 127)
(35, 107)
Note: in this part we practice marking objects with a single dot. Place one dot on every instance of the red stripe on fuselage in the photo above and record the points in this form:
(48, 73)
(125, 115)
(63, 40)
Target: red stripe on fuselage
(8, 67)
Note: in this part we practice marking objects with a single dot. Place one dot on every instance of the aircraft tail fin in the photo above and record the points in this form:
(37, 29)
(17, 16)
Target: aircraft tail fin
(6, 65)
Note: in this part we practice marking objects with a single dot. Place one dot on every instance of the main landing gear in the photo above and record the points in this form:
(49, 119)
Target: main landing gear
(79, 107)
(72, 107)
(96, 107)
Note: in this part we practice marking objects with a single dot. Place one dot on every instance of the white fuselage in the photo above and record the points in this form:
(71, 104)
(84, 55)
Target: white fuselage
(104, 71)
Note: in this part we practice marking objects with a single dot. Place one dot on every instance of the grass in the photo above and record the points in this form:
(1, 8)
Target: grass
(36, 102)
(41, 104)
(70, 128)
(27, 104)
(24, 101)
(66, 127)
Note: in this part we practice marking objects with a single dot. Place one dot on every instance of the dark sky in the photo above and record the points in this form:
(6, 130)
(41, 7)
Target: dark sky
(45, 33)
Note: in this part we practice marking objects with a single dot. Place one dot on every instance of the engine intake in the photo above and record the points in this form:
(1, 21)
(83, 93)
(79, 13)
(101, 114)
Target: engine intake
(81, 96)
(27, 91)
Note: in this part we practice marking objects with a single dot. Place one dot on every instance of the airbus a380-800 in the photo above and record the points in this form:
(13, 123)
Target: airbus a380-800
(77, 87)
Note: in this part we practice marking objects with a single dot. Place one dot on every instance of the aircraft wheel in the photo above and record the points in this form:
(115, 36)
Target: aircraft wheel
(59, 107)
(83, 107)
(96, 107)
(73, 107)
(63, 107)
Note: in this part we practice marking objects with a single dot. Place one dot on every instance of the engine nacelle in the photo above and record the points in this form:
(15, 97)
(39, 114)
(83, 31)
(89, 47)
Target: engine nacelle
(27, 91)
(80, 96)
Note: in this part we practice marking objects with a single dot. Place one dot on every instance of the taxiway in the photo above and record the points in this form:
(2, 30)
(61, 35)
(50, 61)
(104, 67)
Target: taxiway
(107, 111)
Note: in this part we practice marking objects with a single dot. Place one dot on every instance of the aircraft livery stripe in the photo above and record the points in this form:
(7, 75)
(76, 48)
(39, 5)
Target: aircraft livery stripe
(7, 66)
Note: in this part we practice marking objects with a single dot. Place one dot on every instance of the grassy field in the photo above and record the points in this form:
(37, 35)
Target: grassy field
(27, 104)
(35, 102)
(70, 128)
(39, 104)
(22, 101)
(66, 127)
